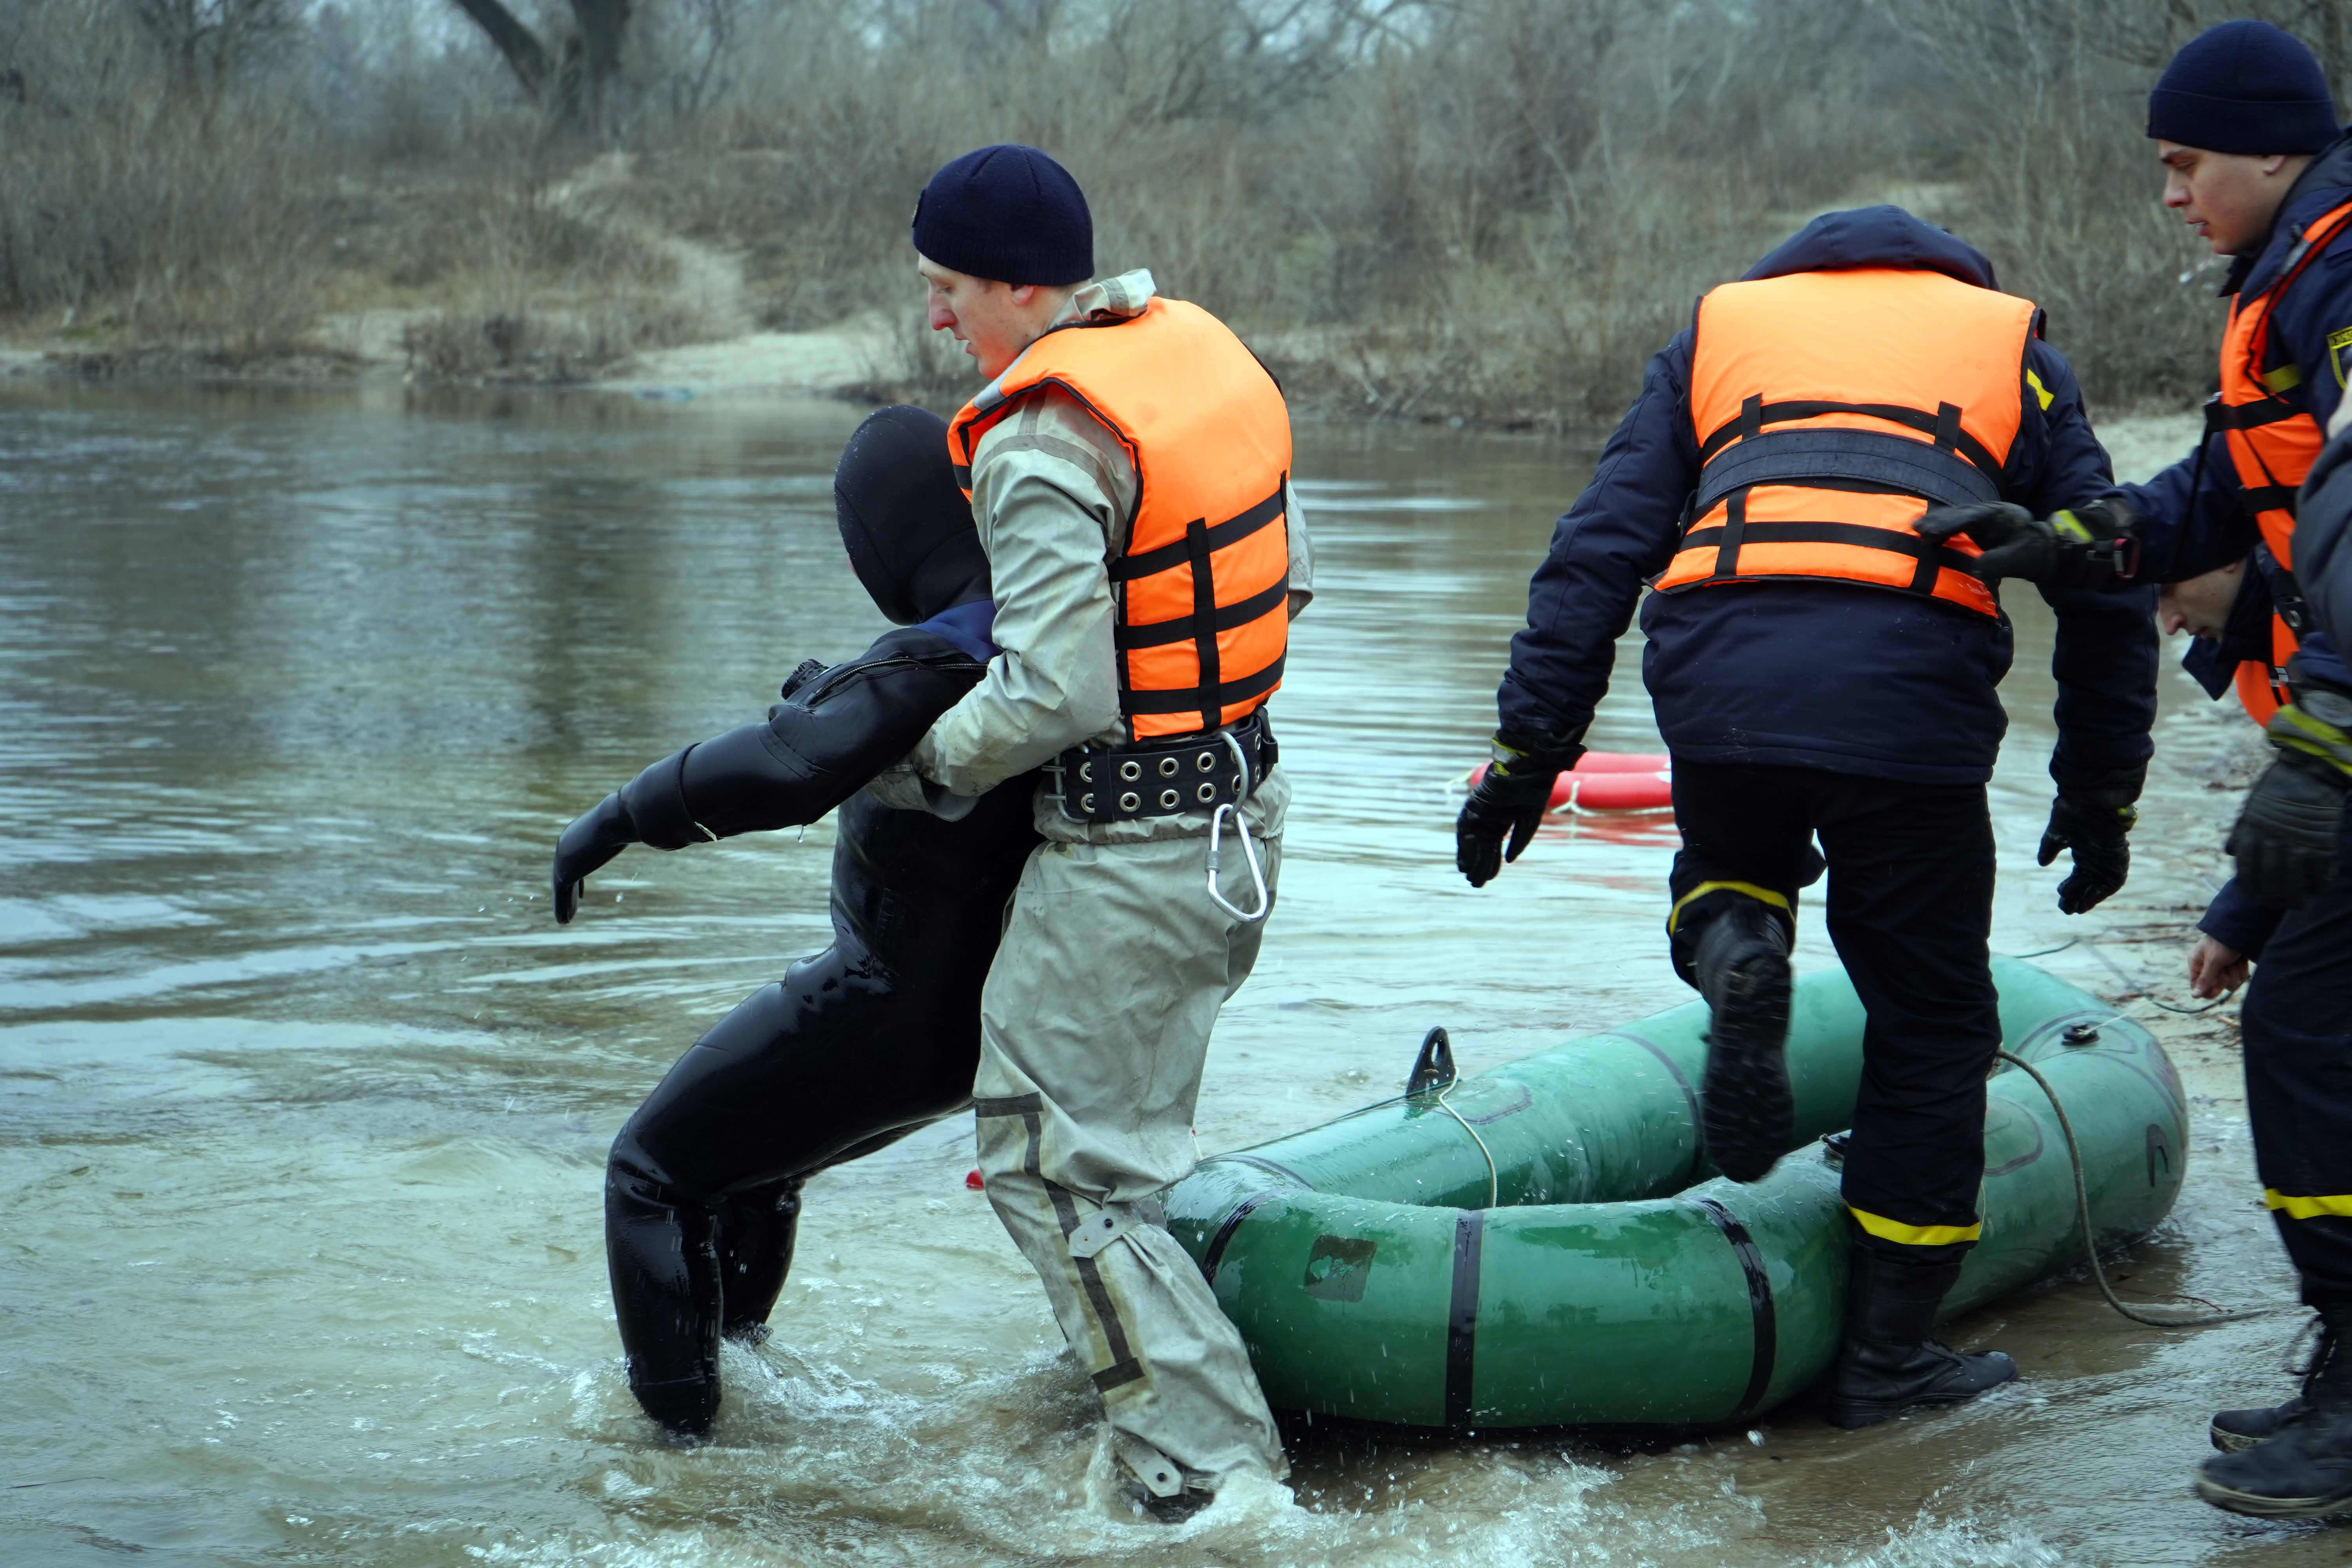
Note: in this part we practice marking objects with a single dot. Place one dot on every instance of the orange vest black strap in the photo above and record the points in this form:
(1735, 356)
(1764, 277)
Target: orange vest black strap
(1943, 426)
(2276, 408)
(1865, 461)
(1736, 530)
(1127, 568)
(1201, 540)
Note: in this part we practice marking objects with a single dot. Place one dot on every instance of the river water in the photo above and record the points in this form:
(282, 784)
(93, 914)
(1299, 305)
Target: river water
(304, 1098)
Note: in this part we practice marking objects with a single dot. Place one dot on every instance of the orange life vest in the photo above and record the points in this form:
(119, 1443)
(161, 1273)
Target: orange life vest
(2264, 413)
(1202, 586)
(2265, 416)
(1831, 409)
(2261, 686)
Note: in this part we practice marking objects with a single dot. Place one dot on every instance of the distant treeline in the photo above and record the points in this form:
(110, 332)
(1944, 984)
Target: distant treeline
(1494, 209)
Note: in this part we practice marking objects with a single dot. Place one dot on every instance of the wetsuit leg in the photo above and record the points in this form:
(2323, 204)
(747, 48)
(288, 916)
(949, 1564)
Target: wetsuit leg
(755, 1241)
(833, 1062)
(1910, 909)
(754, 1238)
(666, 1291)
(2297, 1027)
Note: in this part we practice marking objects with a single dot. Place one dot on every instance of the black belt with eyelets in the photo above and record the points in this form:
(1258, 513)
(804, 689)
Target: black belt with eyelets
(1163, 778)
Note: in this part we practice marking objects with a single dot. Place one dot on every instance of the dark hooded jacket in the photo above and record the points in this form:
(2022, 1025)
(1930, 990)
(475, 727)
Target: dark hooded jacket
(2323, 546)
(2193, 517)
(1841, 677)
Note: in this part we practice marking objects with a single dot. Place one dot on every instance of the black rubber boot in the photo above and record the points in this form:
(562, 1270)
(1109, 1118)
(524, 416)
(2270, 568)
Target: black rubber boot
(2304, 1470)
(1887, 1363)
(2235, 1431)
(1741, 965)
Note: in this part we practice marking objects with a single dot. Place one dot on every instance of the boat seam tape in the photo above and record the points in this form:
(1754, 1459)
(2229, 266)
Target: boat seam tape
(1690, 1097)
(1759, 1305)
(1461, 1320)
(1214, 1253)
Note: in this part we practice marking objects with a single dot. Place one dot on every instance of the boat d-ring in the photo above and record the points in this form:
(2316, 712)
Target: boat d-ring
(1249, 850)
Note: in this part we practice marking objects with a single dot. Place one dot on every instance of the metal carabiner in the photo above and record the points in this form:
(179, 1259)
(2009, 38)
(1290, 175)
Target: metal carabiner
(1249, 850)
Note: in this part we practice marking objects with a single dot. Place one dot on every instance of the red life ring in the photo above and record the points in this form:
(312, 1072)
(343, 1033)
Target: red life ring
(1611, 781)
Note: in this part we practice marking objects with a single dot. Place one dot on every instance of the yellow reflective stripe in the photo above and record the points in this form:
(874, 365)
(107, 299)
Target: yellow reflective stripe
(1885, 1229)
(2286, 378)
(2067, 525)
(2040, 391)
(1763, 895)
(2307, 1208)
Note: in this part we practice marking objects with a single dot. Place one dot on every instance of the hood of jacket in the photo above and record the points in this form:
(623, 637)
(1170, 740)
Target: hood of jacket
(907, 526)
(1874, 237)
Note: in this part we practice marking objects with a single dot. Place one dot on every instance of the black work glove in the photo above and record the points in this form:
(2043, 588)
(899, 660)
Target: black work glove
(2290, 835)
(2092, 546)
(595, 836)
(2096, 834)
(1510, 800)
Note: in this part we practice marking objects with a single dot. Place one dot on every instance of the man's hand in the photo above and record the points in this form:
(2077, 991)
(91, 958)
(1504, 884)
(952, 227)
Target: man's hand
(2215, 968)
(2096, 834)
(2092, 546)
(1510, 801)
(595, 836)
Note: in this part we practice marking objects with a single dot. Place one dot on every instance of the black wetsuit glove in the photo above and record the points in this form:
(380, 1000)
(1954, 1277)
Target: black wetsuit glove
(595, 836)
(1509, 802)
(2289, 836)
(2093, 546)
(2098, 837)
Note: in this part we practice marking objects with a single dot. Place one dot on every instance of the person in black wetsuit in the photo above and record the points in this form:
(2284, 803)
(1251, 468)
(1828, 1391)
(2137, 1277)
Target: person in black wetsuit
(871, 1038)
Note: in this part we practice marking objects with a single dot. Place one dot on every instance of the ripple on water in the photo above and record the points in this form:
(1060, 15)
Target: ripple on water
(304, 1099)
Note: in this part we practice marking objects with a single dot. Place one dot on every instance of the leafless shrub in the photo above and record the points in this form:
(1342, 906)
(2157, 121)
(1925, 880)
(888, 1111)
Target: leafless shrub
(1493, 209)
(549, 346)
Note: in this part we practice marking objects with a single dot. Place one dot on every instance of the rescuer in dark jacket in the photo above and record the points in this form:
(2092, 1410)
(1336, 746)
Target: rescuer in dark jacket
(1818, 668)
(2254, 159)
(875, 1036)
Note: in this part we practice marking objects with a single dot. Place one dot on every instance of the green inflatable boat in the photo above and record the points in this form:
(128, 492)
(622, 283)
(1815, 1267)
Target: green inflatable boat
(1543, 1246)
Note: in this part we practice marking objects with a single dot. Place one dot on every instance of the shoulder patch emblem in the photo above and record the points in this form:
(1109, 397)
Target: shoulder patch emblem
(2337, 343)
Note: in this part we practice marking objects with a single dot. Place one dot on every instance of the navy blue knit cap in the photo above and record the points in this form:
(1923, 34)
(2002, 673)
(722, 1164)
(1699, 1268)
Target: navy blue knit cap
(1009, 214)
(2243, 87)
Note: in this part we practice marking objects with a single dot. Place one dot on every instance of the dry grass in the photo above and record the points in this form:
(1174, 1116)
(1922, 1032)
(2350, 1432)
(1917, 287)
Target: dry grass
(1493, 212)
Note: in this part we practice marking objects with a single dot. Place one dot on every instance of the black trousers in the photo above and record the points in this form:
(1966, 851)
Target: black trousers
(872, 1039)
(2297, 1029)
(1910, 910)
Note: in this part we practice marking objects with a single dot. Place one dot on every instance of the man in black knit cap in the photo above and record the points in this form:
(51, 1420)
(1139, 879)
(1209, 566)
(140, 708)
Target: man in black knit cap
(1129, 465)
(2246, 129)
(2255, 163)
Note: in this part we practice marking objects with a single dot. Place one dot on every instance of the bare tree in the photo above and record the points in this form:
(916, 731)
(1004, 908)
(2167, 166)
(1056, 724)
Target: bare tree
(205, 43)
(577, 80)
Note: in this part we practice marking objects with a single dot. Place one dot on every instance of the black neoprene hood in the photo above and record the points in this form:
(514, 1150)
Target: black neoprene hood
(907, 526)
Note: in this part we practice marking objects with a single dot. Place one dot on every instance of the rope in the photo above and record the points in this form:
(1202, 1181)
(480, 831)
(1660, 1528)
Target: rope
(2140, 990)
(2090, 1243)
(1494, 1179)
(2045, 952)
